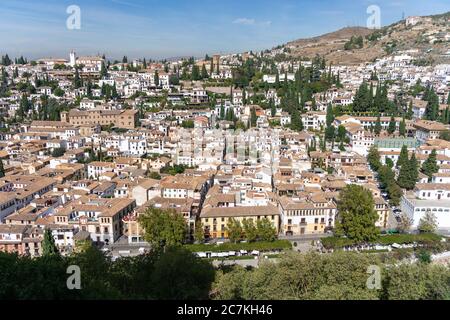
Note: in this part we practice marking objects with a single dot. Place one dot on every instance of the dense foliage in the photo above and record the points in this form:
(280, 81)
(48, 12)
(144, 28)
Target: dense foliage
(338, 276)
(173, 274)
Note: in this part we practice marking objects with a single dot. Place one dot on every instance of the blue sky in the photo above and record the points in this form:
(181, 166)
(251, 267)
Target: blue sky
(171, 28)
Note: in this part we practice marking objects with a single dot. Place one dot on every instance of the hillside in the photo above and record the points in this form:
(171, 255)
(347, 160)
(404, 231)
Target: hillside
(428, 34)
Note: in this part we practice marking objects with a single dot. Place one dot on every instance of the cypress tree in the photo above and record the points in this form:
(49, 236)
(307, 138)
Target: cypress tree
(403, 158)
(402, 128)
(48, 244)
(430, 166)
(410, 113)
(204, 74)
(273, 108)
(378, 126)
(156, 78)
(253, 117)
(2, 169)
(392, 126)
(432, 108)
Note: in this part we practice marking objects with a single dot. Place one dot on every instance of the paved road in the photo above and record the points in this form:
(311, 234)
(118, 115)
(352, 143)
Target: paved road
(244, 263)
(307, 237)
(304, 243)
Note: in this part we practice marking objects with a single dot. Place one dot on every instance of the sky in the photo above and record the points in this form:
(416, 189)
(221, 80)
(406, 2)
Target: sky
(173, 28)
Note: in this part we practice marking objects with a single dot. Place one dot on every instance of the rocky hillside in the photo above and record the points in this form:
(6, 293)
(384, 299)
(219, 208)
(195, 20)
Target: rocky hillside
(354, 45)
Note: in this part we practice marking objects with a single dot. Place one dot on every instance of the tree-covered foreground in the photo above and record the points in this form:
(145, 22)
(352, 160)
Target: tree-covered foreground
(175, 273)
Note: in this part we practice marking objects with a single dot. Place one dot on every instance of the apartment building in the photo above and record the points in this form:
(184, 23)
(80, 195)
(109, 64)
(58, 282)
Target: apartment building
(125, 119)
(426, 130)
(308, 216)
(101, 217)
(215, 220)
(21, 239)
(23, 189)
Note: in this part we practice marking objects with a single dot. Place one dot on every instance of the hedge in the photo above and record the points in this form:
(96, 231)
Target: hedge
(409, 238)
(338, 242)
(249, 246)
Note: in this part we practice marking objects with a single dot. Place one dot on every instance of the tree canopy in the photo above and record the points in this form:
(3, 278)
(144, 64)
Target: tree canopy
(357, 216)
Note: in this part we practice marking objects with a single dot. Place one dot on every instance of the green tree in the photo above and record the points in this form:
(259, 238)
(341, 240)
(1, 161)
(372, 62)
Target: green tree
(341, 133)
(395, 193)
(249, 229)
(409, 112)
(103, 70)
(199, 233)
(204, 74)
(432, 108)
(408, 175)
(402, 128)
(187, 124)
(58, 152)
(266, 230)
(253, 117)
(273, 108)
(59, 92)
(378, 126)
(392, 125)
(373, 158)
(403, 157)
(195, 74)
(362, 100)
(404, 224)
(330, 132)
(2, 169)
(416, 282)
(77, 82)
(389, 162)
(179, 275)
(48, 244)
(156, 78)
(330, 115)
(163, 228)
(386, 176)
(234, 229)
(299, 276)
(357, 215)
(445, 135)
(428, 223)
(430, 166)
(154, 175)
(296, 121)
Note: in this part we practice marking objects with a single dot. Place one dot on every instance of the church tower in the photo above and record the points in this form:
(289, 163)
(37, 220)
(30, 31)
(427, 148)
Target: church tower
(72, 59)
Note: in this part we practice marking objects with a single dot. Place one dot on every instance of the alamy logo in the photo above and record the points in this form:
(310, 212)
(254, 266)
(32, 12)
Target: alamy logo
(73, 22)
(374, 280)
(74, 280)
(374, 20)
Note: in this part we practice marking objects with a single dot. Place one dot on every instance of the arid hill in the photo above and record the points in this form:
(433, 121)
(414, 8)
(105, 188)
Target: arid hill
(428, 34)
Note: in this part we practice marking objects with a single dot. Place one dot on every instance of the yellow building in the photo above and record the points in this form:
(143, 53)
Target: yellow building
(215, 220)
(311, 216)
(125, 119)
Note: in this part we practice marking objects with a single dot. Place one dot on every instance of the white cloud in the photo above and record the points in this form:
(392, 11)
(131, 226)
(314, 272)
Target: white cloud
(252, 22)
(244, 21)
